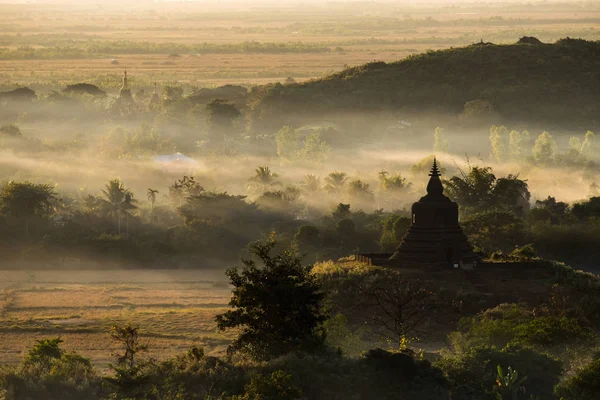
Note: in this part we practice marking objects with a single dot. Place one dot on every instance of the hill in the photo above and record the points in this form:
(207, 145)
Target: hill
(456, 293)
(555, 84)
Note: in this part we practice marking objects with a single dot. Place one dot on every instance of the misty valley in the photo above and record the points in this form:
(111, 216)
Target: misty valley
(287, 201)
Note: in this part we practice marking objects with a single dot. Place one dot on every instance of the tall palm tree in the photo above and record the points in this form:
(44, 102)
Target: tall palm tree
(335, 181)
(311, 183)
(152, 198)
(117, 201)
(263, 180)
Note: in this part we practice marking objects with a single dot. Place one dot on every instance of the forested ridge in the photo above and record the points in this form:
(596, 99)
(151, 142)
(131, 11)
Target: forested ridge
(557, 84)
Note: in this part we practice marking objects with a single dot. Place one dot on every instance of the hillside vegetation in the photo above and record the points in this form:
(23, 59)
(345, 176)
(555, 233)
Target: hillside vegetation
(557, 84)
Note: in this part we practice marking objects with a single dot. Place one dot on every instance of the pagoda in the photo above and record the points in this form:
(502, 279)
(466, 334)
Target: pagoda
(155, 99)
(124, 104)
(435, 236)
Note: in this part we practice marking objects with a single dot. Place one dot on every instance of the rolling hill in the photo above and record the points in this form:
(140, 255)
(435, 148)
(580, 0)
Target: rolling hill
(550, 84)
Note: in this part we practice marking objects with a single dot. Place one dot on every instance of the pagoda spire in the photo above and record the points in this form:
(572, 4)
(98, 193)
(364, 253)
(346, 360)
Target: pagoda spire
(434, 187)
(435, 172)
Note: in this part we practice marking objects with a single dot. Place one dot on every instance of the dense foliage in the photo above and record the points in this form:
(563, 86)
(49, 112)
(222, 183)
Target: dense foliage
(279, 307)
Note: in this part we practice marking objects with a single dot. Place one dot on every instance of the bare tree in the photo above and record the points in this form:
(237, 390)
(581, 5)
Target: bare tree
(395, 308)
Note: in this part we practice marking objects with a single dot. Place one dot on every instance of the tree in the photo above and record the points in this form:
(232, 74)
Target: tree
(588, 147)
(549, 211)
(287, 141)
(516, 145)
(393, 229)
(11, 131)
(308, 238)
(278, 308)
(495, 230)
(398, 307)
(478, 111)
(360, 190)
(391, 188)
(472, 191)
(311, 183)
(341, 211)
(263, 180)
(395, 183)
(117, 202)
(544, 149)
(498, 136)
(440, 144)
(220, 117)
(151, 194)
(315, 150)
(184, 188)
(479, 191)
(511, 193)
(129, 380)
(215, 207)
(335, 181)
(24, 200)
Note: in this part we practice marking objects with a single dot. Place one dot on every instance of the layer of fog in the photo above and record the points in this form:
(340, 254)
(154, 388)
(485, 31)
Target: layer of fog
(78, 171)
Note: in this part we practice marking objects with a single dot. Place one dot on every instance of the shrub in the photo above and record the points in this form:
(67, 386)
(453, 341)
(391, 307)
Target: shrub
(585, 385)
(49, 373)
(473, 374)
(513, 324)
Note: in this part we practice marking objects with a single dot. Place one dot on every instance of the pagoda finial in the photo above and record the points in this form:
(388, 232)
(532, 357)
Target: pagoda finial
(434, 169)
(434, 187)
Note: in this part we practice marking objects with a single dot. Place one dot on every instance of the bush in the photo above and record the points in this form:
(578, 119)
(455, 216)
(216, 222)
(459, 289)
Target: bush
(513, 324)
(473, 374)
(48, 373)
(585, 385)
(276, 386)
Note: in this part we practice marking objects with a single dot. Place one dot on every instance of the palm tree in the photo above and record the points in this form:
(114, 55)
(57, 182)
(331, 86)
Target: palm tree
(311, 183)
(263, 180)
(358, 188)
(335, 181)
(152, 198)
(117, 201)
(393, 183)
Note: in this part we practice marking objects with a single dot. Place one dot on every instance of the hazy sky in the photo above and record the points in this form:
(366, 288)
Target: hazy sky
(247, 2)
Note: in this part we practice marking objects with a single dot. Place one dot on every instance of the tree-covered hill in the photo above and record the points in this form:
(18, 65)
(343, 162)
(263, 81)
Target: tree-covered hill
(554, 84)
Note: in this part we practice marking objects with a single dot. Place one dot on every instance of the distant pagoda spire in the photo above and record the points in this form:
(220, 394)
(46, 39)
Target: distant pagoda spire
(125, 103)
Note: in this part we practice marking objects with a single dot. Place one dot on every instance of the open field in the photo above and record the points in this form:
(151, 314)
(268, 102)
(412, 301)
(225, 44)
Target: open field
(175, 310)
(201, 45)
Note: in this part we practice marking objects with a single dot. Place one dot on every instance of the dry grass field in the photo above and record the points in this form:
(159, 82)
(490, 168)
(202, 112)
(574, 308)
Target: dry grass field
(174, 309)
(354, 34)
(204, 70)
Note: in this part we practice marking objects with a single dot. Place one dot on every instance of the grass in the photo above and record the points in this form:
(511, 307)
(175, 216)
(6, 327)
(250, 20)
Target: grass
(94, 37)
(175, 309)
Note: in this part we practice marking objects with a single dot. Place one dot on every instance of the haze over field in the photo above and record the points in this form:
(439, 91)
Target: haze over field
(148, 146)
